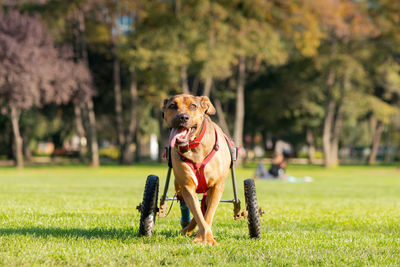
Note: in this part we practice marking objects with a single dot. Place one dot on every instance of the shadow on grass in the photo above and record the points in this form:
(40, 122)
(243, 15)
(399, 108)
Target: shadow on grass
(103, 233)
(169, 233)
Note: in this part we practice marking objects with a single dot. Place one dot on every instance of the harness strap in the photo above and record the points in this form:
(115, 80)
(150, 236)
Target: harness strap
(198, 168)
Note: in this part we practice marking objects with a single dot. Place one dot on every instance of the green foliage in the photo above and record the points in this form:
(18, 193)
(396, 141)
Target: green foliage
(111, 152)
(388, 75)
(291, 49)
(292, 98)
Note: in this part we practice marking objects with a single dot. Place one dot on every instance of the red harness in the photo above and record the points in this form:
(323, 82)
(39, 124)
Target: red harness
(198, 168)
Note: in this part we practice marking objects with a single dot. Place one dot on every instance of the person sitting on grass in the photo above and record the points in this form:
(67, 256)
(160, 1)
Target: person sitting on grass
(277, 170)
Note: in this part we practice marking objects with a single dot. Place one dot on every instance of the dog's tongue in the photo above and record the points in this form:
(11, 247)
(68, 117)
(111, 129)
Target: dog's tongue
(182, 136)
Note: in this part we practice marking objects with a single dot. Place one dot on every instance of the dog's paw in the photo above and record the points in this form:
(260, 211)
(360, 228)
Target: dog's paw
(207, 238)
(185, 231)
(189, 229)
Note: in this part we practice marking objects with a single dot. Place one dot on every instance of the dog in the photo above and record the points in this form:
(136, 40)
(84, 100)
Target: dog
(200, 157)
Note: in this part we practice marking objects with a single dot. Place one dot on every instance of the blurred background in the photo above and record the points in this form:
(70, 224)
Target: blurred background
(83, 81)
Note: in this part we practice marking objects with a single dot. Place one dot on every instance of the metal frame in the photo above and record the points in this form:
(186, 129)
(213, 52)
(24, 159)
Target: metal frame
(238, 214)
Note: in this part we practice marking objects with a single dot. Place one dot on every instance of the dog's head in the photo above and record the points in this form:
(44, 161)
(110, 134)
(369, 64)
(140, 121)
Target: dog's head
(185, 114)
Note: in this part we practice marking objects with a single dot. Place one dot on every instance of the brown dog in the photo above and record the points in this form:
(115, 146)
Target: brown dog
(195, 139)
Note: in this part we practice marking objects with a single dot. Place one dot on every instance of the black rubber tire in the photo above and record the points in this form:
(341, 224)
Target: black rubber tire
(253, 216)
(149, 206)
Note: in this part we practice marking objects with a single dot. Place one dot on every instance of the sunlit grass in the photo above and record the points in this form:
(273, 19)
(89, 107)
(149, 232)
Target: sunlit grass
(82, 216)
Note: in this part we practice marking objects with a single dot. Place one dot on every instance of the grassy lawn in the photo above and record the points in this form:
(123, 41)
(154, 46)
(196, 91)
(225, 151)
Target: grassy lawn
(81, 216)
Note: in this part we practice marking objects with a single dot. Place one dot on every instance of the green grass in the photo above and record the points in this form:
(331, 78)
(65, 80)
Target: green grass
(81, 216)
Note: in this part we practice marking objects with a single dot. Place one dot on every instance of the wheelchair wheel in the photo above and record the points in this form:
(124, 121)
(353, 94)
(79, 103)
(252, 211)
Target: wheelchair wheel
(148, 207)
(253, 216)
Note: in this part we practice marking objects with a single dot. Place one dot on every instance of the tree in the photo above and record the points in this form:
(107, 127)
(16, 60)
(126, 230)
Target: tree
(83, 99)
(344, 26)
(121, 42)
(286, 103)
(384, 68)
(253, 39)
(25, 44)
(383, 102)
(84, 79)
(67, 21)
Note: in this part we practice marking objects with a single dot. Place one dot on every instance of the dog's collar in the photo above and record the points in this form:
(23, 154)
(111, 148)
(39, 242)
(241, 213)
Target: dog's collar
(196, 142)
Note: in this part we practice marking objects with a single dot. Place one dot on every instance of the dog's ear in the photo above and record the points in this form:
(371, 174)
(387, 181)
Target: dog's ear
(165, 102)
(164, 106)
(207, 106)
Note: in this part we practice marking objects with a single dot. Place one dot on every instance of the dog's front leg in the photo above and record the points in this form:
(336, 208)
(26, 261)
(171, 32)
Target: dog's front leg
(214, 195)
(204, 235)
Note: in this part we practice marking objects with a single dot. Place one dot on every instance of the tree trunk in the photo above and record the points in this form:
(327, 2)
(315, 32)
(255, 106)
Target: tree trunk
(195, 85)
(239, 116)
(184, 80)
(209, 79)
(79, 128)
(127, 155)
(338, 123)
(81, 36)
(92, 133)
(26, 151)
(311, 145)
(94, 148)
(375, 142)
(18, 150)
(329, 117)
(207, 86)
(184, 76)
(117, 93)
(221, 116)
(220, 113)
(79, 53)
(336, 134)
(327, 131)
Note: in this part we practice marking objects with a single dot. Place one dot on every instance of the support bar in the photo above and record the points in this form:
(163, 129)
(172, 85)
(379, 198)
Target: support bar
(222, 200)
(235, 194)
(163, 205)
(164, 195)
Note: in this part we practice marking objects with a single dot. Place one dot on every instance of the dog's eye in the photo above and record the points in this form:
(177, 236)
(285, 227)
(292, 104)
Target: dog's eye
(172, 106)
(193, 107)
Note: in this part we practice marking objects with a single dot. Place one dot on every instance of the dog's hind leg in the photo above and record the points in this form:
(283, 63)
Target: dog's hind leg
(190, 228)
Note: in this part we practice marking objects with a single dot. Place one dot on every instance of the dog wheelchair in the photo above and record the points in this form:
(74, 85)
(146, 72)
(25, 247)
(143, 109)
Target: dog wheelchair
(149, 208)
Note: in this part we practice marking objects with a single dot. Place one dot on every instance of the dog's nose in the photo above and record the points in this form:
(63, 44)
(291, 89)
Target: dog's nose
(184, 117)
